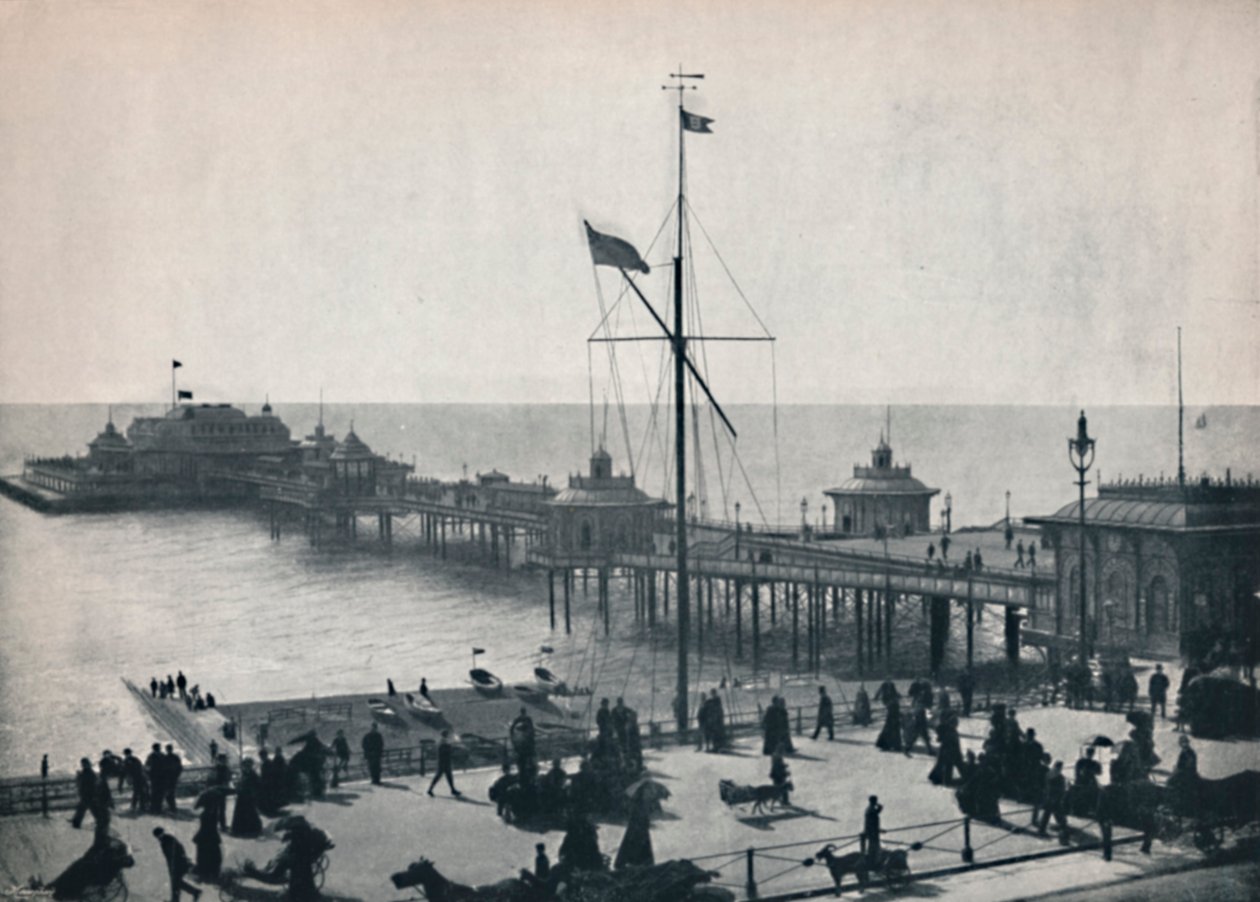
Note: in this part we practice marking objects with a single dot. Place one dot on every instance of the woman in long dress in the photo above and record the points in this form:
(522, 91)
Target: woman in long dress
(245, 819)
(636, 845)
(890, 739)
(206, 840)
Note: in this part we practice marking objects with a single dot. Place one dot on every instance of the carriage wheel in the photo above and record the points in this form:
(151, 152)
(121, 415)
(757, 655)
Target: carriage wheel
(1206, 840)
(321, 868)
(114, 891)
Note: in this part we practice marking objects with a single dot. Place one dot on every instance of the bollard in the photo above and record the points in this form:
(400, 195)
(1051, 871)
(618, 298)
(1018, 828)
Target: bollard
(968, 854)
(800, 731)
(751, 887)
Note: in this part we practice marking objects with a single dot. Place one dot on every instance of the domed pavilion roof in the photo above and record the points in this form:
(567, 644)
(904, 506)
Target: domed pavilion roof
(352, 448)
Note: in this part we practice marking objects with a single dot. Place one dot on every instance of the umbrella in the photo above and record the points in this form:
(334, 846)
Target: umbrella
(305, 737)
(210, 796)
(649, 789)
(1101, 740)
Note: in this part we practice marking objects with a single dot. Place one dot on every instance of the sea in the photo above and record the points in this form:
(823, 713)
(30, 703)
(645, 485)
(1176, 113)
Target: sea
(88, 600)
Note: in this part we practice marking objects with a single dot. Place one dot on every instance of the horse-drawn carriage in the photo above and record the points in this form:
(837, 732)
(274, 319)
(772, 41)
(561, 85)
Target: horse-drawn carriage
(670, 881)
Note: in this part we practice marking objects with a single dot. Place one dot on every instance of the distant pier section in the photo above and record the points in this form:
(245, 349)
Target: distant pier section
(1169, 565)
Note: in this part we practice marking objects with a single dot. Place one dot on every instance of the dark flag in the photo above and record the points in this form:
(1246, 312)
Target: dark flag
(693, 123)
(607, 250)
(185, 395)
(479, 651)
(175, 364)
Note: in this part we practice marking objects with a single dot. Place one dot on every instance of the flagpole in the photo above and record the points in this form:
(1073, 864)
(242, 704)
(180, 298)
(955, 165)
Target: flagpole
(682, 689)
(174, 402)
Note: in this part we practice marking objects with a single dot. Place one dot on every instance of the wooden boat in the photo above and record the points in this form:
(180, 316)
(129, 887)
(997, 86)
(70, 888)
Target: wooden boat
(549, 683)
(530, 691)
(485, 681)
(382, 710)
(423, 708)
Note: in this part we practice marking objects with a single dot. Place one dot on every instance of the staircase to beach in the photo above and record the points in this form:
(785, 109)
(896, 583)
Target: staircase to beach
(191, 731)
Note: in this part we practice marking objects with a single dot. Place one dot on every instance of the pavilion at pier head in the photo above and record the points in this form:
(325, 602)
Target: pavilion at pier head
(881, 497)
(1170, 568)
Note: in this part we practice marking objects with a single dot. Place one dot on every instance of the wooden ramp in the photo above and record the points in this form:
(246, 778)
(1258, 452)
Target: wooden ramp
(191, 731)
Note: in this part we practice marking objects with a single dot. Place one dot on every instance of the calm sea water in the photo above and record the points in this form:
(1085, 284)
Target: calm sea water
(86, 600)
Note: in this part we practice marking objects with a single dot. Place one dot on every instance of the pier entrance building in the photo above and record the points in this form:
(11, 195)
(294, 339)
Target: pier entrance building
(1169, 569)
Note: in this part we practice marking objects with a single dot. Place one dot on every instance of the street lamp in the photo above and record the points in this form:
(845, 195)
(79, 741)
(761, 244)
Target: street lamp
(1081, 454)
(804, 524)
(949, 512)
(1008, 507)
(736, 530)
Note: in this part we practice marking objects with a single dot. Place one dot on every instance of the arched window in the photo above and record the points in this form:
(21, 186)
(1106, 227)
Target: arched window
(1158, 606)
(1116, 598)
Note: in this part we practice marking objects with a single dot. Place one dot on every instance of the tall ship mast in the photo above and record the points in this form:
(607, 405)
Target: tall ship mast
(608, 250)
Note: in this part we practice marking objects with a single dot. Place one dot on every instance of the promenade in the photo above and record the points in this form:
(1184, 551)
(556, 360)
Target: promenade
(380, 829)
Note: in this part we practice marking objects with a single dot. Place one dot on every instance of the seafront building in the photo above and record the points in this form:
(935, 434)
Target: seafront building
(1169, 568)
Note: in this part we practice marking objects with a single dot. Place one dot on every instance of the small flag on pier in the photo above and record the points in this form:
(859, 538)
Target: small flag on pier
(607, 250)
(479, 651)
(693, 123)
(175, 364)
(185, 395)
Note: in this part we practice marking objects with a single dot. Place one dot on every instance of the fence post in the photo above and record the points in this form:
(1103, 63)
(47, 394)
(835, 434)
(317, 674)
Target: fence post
(422, 759)
(968, 854)
(751, 887)
(799, 729)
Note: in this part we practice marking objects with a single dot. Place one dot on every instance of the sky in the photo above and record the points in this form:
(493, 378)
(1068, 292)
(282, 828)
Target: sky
(924, 202)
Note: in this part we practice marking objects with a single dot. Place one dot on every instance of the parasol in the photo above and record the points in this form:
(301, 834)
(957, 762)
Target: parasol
(649, 789)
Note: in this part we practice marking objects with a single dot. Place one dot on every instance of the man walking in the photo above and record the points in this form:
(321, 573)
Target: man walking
(134, 771)
(221, 779)
(826, 714)
(1158, 689)
(373, 750)
(177, 864)
(341, 758)
(181, 683)
(155, 765)
(85, 783)
(444, 755)
(172, 769)
(1054, 803)
(966, 688)
(871, 831)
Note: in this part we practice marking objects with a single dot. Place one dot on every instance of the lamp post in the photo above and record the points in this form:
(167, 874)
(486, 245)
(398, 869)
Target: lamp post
(1008, 507)
(1081, 454)
(949, 513)
(736, 530)
(804, 523)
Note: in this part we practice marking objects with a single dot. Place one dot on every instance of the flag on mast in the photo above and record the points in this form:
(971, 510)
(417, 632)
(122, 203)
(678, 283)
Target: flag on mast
(185, 395)
(693, 123)
(607, 250)
(175, 364)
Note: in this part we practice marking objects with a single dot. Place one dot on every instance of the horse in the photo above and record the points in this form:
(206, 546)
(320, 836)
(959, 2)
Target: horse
(893, 864)
(437, 888)
(769, 794)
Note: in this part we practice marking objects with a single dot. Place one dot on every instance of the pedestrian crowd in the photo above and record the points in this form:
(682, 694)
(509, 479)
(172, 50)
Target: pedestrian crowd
(178, 687)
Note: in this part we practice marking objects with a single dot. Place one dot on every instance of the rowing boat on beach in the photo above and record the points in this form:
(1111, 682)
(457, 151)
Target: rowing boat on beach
(422, 707)
(484, 681)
